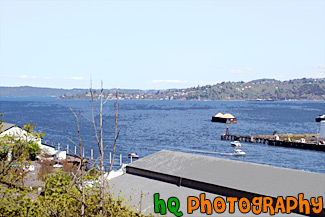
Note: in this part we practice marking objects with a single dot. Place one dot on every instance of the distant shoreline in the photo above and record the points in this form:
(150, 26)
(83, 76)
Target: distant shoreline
(311, 89)
(219, 100)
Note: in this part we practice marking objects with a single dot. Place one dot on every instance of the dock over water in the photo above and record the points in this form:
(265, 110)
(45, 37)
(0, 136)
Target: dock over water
(274, 142)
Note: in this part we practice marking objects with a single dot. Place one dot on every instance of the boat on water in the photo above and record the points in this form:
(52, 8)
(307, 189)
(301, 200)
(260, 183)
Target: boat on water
(133, 155)
(236, 143)
(238, 152)
(320, 118)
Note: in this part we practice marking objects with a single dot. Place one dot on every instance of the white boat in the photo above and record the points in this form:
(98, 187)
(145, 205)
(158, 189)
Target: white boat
(57, 165)
(320, 118)
(133, 155)
(236, 143)
(238, 152)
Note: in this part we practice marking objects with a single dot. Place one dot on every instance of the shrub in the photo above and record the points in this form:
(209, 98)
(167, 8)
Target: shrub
(33, 150)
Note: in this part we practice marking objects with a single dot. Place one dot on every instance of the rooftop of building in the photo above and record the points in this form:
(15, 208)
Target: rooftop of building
(180, 174)
(6, 126)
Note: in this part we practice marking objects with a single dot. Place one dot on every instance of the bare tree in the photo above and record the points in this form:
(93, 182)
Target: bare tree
(99, 138)
(82, 164)
(100, 144)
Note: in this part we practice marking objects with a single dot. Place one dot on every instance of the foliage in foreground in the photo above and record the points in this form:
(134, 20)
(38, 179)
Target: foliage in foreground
(61, 197)
(16, 151)
(62, 193)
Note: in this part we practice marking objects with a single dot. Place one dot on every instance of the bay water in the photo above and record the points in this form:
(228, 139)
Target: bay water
(150, 126)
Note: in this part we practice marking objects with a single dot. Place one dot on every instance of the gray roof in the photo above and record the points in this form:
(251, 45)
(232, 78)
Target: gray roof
(130, 188)
(175, 174)
(6, 126)
(244, 176)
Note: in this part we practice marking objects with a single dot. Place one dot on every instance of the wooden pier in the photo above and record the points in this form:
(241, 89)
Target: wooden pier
(75, 159)
(240, 138)
(266, 140)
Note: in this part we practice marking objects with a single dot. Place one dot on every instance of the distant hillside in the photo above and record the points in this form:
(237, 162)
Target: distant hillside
(27, 91)
(262, 89)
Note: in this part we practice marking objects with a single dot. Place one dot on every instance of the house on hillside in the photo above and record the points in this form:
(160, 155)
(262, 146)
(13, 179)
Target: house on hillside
(8, 129)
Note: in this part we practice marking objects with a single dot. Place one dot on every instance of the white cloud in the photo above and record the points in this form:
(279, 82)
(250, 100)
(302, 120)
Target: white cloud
(77, 78)
(243, 72)
(26, 77)
(65, 78)
(169, 81)
(279, 77)
(20, 76)
(321, 69)
(185, 82)
(47, 77)
(313, 72)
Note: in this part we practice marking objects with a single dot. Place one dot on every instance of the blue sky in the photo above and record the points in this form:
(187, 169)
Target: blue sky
(159, 44)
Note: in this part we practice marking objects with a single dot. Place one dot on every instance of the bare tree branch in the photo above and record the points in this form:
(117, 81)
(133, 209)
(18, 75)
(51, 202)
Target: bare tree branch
(81, 166)
(117, 131)
(93, 115)
(102, 169)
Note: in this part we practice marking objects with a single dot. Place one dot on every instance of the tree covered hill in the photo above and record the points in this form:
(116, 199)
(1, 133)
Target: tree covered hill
(261, 89)
(27, 91)
(265, 89)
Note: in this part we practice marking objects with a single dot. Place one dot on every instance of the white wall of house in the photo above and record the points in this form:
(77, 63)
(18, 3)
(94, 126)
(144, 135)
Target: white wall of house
(61, 155)
(47, 150)
(19, 133)
(56, 154)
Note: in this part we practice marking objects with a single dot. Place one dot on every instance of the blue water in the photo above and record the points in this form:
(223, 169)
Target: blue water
(149, 126)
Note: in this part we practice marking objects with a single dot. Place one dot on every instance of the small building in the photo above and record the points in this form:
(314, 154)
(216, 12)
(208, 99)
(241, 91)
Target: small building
(224, 118)
(9, 129)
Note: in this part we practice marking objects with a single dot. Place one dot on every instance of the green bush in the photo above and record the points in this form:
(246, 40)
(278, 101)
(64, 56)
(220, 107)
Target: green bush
(33, 150)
